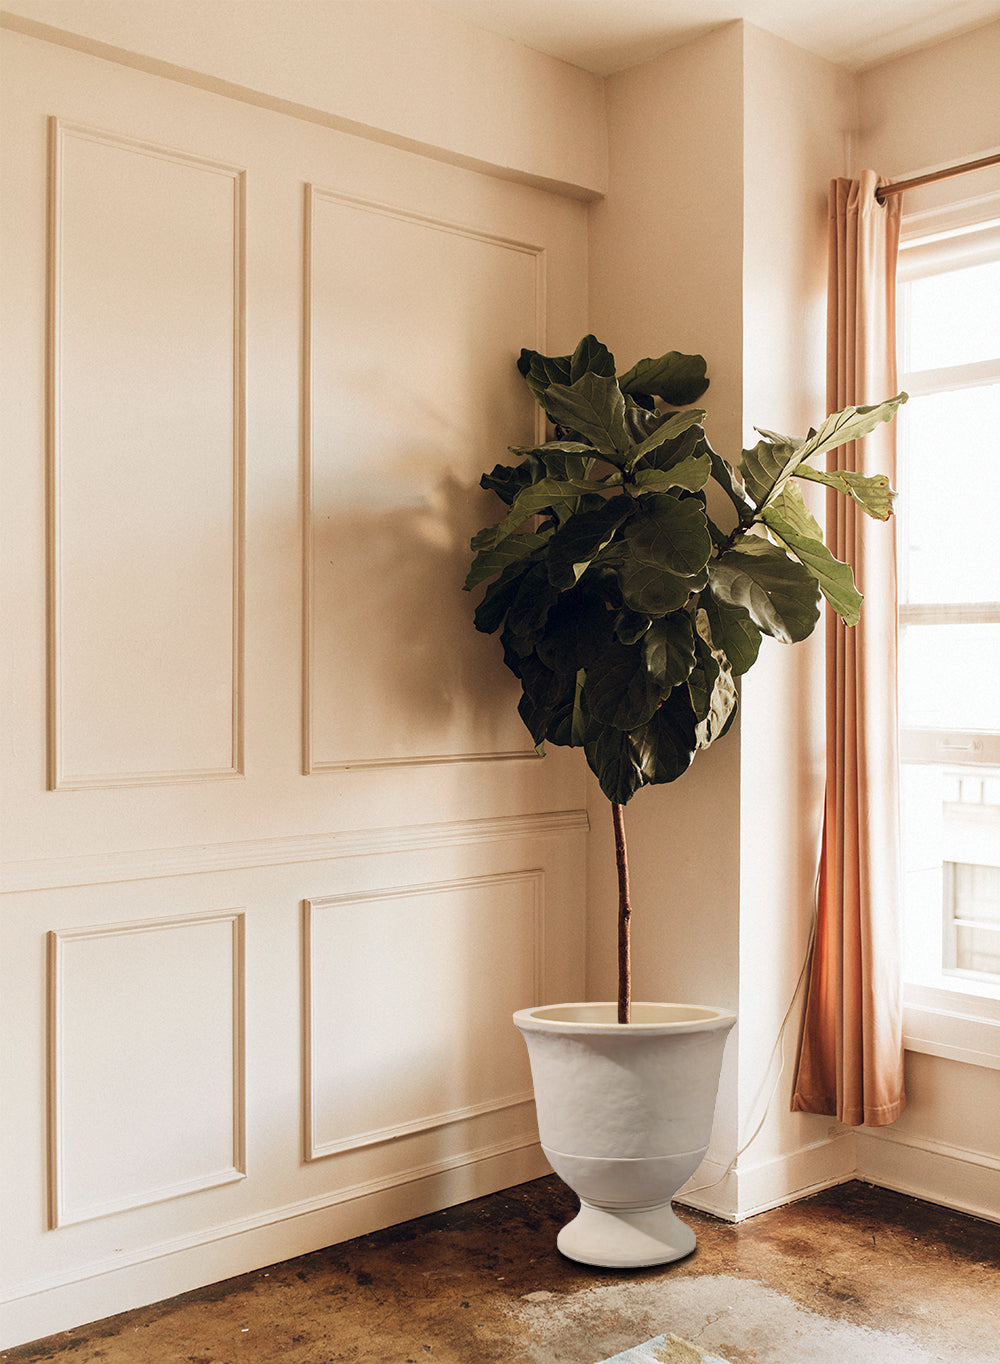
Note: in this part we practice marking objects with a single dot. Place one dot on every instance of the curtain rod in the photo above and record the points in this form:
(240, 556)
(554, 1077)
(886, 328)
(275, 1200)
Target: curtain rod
(928, 179)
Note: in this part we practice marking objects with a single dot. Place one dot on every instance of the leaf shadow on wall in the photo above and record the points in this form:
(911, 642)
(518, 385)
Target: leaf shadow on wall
(398, 670)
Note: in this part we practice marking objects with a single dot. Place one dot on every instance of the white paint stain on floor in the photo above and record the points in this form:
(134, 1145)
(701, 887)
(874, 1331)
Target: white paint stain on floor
(738, 1320)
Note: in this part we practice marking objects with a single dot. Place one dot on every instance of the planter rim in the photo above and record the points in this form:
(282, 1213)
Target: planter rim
(601, 1018)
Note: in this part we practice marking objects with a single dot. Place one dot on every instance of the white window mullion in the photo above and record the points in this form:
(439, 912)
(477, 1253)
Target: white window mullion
(948, 379)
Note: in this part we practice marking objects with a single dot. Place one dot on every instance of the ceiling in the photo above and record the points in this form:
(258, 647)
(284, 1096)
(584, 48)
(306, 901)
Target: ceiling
(604, 36)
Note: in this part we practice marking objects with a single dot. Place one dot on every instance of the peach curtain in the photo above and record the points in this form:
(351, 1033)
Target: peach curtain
(851, 1055)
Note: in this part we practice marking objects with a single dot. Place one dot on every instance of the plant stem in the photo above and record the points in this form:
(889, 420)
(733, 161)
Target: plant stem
(624, 918)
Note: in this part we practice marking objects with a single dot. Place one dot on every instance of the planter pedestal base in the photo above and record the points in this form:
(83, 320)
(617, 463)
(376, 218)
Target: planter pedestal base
(625, 1239)
(625, 1116)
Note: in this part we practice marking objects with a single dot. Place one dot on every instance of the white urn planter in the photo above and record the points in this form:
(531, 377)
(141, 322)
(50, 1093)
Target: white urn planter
(625, 1115)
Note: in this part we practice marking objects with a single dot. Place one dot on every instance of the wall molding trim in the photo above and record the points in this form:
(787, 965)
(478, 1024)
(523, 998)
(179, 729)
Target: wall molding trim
(936, 1172)
(283, 1232)
(313, 761)
(61, 135)
(587, 189)
(736, 1194)
(239, 1226)
(155, 863)
(952, 1176)
(63, 1209)
(315, 1148)
(319, 1150)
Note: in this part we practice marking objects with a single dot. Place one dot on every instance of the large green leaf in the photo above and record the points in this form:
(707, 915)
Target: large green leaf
(670, 533)
(538, 497)
(872, 492)
(790, 520)
(780, 595)
(619, 690)
(594, 408)
(669, 650)
(773, 461)
(653, 591)
(730, 483)
(790, 507)
(540, 371)
(670, 429)
(851, 423)
(499, 596)
(612, 757)
(528, 612)
(567, 726)
(733, 631)
(665, 550)
(668, 743)
(766, 468)
(674, 450)
(577, 543)
(642, 422)
(561, 459)
(678, 379)
(545, 696)
(711, 686)
(630, 626)
(692, 474)
(578, 629)
(703, 676)
(591, 357)
(491, 562)
(507, 480)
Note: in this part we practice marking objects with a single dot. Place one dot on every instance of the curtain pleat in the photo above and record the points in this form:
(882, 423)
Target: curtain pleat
(851, 1054)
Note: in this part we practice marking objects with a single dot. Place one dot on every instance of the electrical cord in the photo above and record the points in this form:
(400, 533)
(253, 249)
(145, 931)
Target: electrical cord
(779, 1046)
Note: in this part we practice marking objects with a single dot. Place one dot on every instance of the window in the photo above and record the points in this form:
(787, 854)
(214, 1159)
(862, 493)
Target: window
(949, 614)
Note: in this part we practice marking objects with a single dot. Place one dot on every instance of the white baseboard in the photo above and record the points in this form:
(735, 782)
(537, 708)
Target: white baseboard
(710, 1189)
(758, 1186)
(91, 1292)
(967, 1181)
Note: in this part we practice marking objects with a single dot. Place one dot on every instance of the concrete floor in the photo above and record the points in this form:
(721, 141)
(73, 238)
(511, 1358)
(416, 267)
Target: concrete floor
(849, 1275)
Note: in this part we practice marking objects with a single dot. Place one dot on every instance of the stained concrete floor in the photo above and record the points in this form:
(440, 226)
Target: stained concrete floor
(851, 1274)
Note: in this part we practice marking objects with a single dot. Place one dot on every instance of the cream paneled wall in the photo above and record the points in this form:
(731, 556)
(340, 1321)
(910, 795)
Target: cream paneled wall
(106, 1152)
(145, 417)
(389, 424)
(432, 949)
(278, 861)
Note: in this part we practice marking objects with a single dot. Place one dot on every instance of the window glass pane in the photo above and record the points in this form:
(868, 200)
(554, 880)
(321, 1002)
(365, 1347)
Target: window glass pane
(922, 796)
(950, 485)
(949, 677)
(977, 949)
(976, 892)
(955, 317)
(974, 913)
(951, 865)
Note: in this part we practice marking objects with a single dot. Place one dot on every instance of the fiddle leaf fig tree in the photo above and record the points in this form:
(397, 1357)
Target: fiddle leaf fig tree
(626, 610)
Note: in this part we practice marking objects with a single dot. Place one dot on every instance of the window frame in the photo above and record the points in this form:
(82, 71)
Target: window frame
(941, 252)
(959, 1019)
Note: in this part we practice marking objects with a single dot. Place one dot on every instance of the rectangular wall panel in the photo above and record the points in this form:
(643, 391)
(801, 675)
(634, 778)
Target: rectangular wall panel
(145, 435)
(409, 997)
(407, 405)
(146, 1060)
